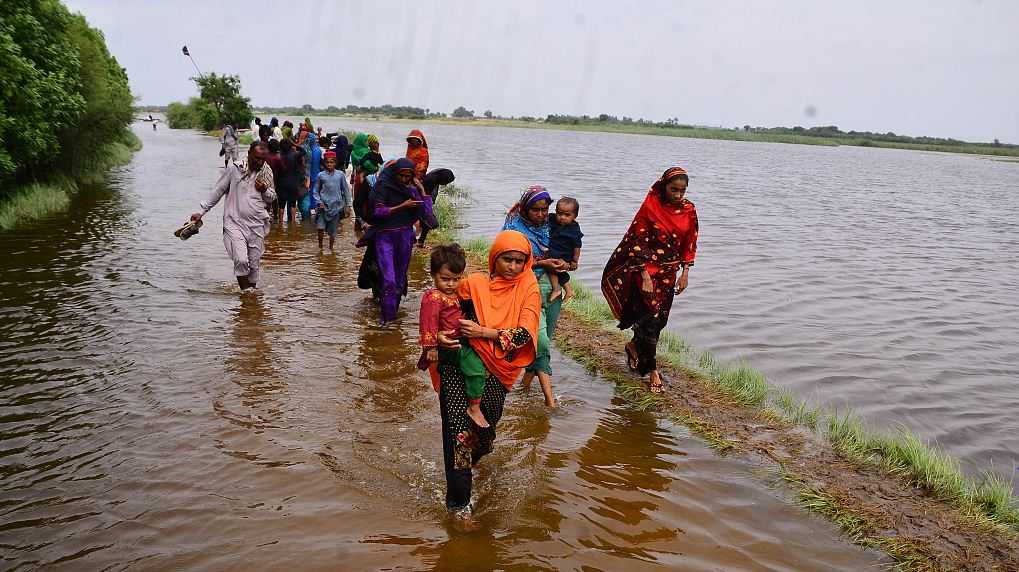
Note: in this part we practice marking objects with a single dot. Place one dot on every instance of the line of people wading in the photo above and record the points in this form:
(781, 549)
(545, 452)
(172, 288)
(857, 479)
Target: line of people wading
(480, 333)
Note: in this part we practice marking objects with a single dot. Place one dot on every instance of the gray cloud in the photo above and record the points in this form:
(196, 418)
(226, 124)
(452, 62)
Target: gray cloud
(919, 68)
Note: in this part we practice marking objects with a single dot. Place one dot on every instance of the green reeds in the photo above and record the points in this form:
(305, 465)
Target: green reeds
(35, 201)
(38, 200)
(904, 453)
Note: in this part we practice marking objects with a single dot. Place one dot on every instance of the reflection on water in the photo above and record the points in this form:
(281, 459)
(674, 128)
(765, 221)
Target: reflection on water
(153, 418)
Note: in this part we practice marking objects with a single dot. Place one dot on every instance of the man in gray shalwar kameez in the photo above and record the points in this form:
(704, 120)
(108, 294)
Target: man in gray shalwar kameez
(249, 192)
(229, 140)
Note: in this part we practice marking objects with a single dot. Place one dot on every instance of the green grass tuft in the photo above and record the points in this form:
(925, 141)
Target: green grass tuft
(743, 383)
(35, 201)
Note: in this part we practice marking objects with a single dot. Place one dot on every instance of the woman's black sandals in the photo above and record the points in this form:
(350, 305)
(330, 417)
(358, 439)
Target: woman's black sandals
(631, 359)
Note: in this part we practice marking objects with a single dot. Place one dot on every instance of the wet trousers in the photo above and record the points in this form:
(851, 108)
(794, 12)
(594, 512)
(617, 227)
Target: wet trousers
(463, 442)
(393, 249)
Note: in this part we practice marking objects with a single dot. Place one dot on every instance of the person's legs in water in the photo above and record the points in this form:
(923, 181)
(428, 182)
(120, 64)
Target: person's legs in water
(393, 251)
(474, 382)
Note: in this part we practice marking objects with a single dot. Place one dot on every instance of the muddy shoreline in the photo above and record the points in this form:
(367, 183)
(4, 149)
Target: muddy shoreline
(877, 509)
(874, 507)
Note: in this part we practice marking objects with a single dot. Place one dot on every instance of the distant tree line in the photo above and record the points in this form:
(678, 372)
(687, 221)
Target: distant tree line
(63, 98)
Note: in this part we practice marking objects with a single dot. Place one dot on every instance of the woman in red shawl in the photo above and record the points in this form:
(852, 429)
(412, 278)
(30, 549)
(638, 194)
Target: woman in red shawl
(417, 151)
(639, 281)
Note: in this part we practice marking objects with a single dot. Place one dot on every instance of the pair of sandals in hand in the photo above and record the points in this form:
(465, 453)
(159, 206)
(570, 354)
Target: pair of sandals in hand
(656, 383)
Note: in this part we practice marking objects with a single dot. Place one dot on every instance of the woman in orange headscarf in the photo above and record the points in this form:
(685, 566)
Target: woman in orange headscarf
(639, 281)
(501, 310)
(417, 151)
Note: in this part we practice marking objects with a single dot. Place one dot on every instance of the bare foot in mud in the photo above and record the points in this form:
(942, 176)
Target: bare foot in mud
(474, 412)
(551, 403)
(556, 292)
(525, 382)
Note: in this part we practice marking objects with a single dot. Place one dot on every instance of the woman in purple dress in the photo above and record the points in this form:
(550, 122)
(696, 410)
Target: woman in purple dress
(396, 204)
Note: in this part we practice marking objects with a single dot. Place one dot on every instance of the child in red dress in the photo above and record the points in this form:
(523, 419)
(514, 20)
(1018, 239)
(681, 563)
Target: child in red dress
(440, 312)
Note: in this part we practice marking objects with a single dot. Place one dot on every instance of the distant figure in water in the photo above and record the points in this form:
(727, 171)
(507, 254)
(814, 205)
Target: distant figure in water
(153, 125)
(229, 140)
(250, 192)
(639, 281)
(501, 308)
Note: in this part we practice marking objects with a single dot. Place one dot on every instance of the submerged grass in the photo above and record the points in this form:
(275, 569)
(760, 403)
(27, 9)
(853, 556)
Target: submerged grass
(909, 556)
(902, 453)
(43, 198)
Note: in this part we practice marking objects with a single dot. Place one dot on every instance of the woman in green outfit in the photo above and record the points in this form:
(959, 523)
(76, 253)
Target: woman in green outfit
(530, 217)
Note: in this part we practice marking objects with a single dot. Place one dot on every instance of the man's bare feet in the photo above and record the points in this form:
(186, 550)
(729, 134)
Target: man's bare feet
(474, 412)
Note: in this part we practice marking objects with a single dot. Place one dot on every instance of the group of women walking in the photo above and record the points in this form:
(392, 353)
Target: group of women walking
(509, 311)
(511, 297)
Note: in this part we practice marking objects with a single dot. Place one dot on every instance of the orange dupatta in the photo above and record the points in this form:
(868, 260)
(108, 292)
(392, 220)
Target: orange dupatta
(419, 155)
(504, 304)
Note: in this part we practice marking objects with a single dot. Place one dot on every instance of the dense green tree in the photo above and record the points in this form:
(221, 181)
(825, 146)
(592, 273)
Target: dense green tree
(223, 93)
(61, 92)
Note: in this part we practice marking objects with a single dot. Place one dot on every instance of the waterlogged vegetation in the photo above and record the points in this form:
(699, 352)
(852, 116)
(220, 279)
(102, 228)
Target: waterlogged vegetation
(65, 107)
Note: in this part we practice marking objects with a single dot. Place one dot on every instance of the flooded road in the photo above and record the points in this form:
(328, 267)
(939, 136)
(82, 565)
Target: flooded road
(153, 419)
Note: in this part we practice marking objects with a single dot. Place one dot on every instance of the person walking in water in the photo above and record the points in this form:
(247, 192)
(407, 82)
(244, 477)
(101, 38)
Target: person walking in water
(331, 196)
(229, 140)
(640, 278)
(501, 308)
(249, 192)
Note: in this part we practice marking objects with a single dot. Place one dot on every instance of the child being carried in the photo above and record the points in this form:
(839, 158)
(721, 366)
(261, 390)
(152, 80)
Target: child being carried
(440, 312)
(564, 243)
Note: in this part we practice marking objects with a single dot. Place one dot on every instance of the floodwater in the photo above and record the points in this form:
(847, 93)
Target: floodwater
(879, 279)
(151, 418)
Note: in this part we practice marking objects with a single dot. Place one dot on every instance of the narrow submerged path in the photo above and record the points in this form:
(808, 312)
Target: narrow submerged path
(876, 507)
(155, 419)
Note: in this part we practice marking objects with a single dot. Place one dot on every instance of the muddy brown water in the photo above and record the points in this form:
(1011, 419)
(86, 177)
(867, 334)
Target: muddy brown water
(153, 419)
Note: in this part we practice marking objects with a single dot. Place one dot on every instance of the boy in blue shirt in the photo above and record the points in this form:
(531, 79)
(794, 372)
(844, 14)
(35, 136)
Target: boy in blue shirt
(331, 195)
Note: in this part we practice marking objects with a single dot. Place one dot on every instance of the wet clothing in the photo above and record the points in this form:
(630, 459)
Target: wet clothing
(292, 184)
(662, 239)
(418, 154)
(313, 162)
(332, 190)
(245, 216)
(341, 146)
(509, 306)
(392, 233)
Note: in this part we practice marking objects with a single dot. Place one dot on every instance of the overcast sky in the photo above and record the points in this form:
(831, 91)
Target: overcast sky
(939, 67)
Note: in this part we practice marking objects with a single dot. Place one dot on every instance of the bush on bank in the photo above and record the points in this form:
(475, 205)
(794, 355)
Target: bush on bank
(65, 103)
(219, 103)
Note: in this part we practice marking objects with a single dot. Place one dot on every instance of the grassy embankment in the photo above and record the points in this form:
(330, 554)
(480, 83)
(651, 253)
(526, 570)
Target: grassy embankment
(42, 198)
(698, 133)
(735, 409)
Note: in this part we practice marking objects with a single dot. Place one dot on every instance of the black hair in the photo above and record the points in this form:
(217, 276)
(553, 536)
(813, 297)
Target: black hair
(274, 146)
(660, 185)
(258, 120)
(570, 201)
(450, 255)
(286, 146)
